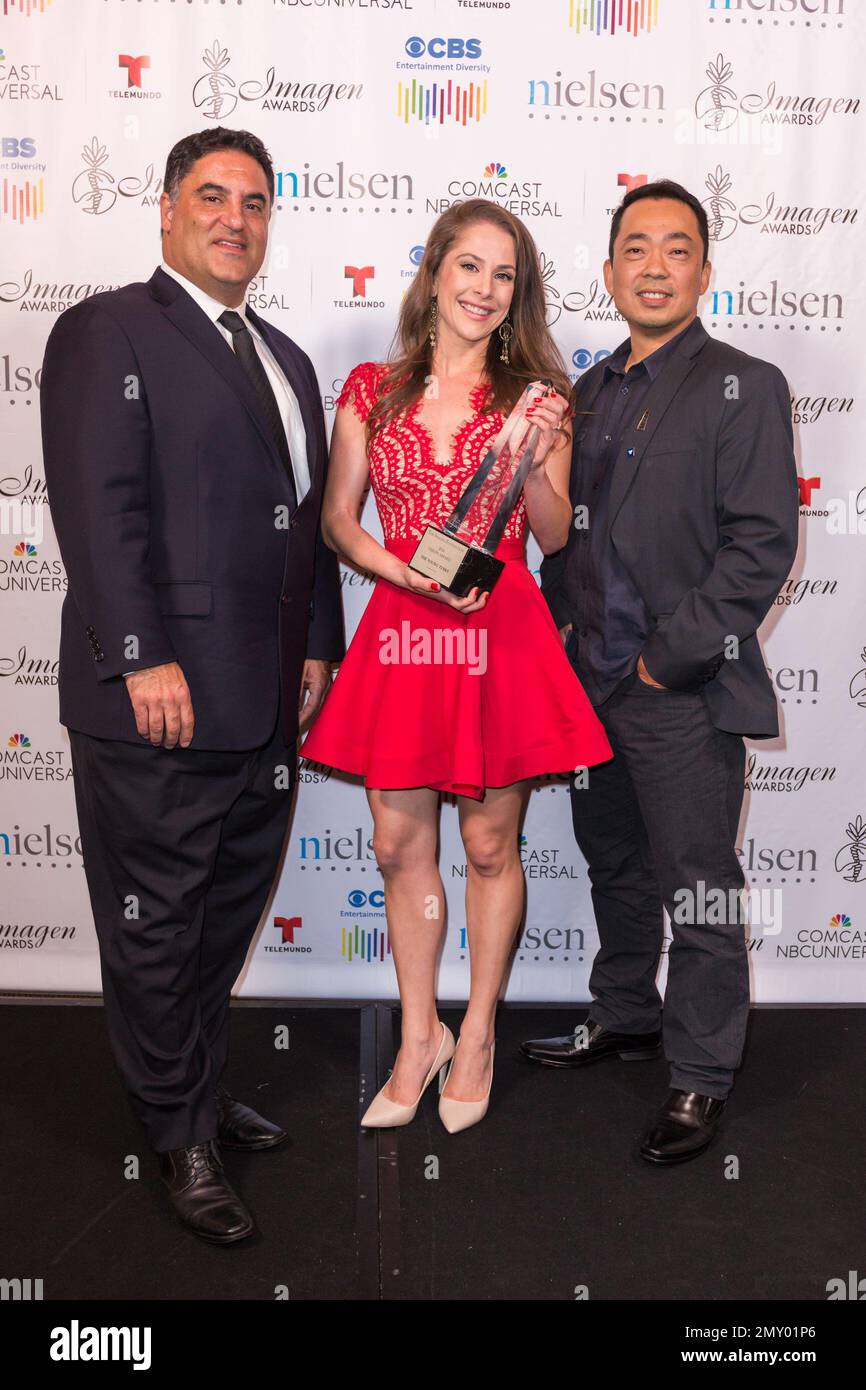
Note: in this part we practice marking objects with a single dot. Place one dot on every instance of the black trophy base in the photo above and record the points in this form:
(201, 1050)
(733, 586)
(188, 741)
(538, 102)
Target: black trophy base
(458, 567)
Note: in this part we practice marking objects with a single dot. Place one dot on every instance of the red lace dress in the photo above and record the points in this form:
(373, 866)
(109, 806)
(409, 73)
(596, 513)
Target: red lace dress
(428, 696)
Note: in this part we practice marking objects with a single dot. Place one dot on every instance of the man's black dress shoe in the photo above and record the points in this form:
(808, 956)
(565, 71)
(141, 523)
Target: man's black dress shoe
(683, 1128)
(202, 1196)
(575, 1051)
(239, 1127)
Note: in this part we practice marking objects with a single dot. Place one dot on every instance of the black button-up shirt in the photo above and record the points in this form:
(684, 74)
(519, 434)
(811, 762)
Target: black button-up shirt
(609, 618)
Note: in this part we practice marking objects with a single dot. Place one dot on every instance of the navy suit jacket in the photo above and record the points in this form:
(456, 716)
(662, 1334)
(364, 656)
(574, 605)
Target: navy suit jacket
(704, 514)
(170, 505)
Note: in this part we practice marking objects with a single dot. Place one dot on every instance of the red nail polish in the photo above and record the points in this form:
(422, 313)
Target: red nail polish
(436, 586)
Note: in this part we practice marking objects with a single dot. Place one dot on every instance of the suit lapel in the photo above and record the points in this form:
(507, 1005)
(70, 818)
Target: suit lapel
(181, 309)
(585, 392)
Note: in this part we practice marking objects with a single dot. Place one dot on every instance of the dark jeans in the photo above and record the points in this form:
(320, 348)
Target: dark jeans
(655, 824)
(180, 851)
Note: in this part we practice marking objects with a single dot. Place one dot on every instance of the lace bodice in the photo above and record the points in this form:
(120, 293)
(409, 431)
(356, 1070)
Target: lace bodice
(410, 486)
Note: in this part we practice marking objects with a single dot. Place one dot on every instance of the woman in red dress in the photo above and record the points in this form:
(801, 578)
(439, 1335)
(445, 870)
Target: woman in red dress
(470, 696)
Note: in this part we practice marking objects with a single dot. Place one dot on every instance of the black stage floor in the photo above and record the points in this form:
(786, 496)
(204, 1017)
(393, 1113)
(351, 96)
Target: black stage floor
(546, 1199)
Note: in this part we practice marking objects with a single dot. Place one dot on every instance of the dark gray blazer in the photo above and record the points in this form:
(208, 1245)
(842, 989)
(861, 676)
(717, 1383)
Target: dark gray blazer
(164, 484)
(704, 516)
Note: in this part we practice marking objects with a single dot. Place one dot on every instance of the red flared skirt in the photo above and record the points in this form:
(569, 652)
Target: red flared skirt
(429, 697)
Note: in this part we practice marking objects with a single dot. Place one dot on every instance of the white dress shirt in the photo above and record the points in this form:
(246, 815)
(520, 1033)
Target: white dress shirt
(287, 401)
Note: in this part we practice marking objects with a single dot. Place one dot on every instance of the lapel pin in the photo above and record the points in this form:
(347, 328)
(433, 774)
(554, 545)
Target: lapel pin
(629, 453)
(641, 424)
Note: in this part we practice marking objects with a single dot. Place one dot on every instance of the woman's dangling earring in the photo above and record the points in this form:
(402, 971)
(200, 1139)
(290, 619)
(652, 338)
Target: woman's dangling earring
(434, 319)
(506, 331)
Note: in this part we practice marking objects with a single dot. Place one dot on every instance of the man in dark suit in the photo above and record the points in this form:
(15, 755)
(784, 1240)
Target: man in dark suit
(185, 458)
(686, 510)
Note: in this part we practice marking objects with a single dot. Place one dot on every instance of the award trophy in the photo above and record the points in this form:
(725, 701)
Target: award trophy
(450, 554)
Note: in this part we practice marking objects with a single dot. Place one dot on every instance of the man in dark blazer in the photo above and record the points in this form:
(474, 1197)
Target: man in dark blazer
(684, 486)
(185, 458)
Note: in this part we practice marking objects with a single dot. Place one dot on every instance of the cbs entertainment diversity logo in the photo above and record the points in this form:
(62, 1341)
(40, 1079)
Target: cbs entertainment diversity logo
(450, 98)
(22, 199)
(364, 944)
(24, 7)
(612, 17)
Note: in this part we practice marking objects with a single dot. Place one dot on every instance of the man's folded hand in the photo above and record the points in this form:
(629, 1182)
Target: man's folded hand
(162, 705)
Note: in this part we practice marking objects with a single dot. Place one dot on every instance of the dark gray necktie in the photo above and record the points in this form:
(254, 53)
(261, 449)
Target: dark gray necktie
(245, 350)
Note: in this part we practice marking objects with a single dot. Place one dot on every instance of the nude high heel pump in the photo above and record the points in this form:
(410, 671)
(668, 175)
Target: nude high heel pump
(460, 1114)
(383, 1113)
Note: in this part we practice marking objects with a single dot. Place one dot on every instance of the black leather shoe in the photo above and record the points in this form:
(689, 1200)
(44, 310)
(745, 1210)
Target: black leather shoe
(683, 1128)
(572, 1051)
(201, 1194)
(239, 1127)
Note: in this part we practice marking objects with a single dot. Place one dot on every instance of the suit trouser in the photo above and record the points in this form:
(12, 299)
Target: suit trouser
(180, 850)
(657, 825)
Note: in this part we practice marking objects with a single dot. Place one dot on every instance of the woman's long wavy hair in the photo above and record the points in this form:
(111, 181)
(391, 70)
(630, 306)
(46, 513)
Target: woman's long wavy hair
(531, 349)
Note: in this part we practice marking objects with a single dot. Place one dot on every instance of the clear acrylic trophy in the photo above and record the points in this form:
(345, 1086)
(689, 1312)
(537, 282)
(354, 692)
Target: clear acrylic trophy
(450, 554)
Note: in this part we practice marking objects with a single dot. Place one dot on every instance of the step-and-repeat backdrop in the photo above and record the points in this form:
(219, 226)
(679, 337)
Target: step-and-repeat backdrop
(378, 115)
